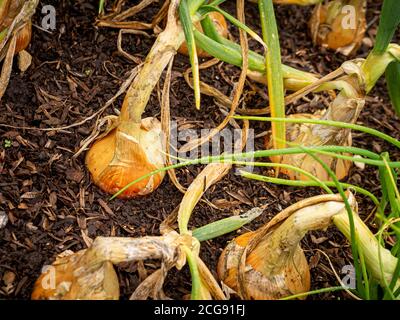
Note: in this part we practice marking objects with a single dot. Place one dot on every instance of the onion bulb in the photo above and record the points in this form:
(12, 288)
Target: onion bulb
(127, 153)
(360, 77)
(333, 25)
(89, 274)
(71, 277)
(274, 263)
(313, 135)
(135, 147)
(221, 26)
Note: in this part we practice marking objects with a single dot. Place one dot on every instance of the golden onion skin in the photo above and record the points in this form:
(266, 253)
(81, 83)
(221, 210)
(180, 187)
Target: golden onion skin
(220, 24)
(24, 37)
(8, 12)
(294, 278)
(302, 134)
(113, 166)
(326, 26)
(100, 282)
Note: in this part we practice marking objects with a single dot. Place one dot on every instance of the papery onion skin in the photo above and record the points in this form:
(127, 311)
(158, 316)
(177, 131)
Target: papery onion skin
(68, 279)
(24, 37)
(139, 155)
(275, 265)
(221, 26)
(308, 135)
(9, 12)
(293, 279)
(329, 31)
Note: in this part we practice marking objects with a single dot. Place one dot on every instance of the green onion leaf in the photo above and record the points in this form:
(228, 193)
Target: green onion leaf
(274, 71)
(393, 84)
(187, 24)
(224, 226)
(389, 20)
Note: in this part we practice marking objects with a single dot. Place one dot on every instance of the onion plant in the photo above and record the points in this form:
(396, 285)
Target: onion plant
(269, 263)
(132, 146)
(275, 266)
(359, 78)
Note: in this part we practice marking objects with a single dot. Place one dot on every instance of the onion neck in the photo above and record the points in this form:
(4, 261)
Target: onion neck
(370, 248)
(375, 65)
(156, 61)
(353, 88)
(163, 50)
(279, 247)
(117, 250)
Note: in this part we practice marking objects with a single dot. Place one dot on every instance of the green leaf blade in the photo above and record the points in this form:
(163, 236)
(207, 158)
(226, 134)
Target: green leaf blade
(393, 85)
(187, 25)
(389, 21)
(274, 70)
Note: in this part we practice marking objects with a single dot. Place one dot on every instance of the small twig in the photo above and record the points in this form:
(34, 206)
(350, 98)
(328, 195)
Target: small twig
(337, 276)
(166, 125)
(119, 44)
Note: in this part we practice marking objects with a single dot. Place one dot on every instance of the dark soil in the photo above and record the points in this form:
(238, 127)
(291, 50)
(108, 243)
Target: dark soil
(48, 196)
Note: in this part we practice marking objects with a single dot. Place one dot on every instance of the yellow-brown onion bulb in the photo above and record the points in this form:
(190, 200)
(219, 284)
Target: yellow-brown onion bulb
(303, 134)
(89, 274)
(70, 278)
(8, 11)
(334, 26)
(344, 109)
(275, 265)
(126, 154)
(293, 278)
